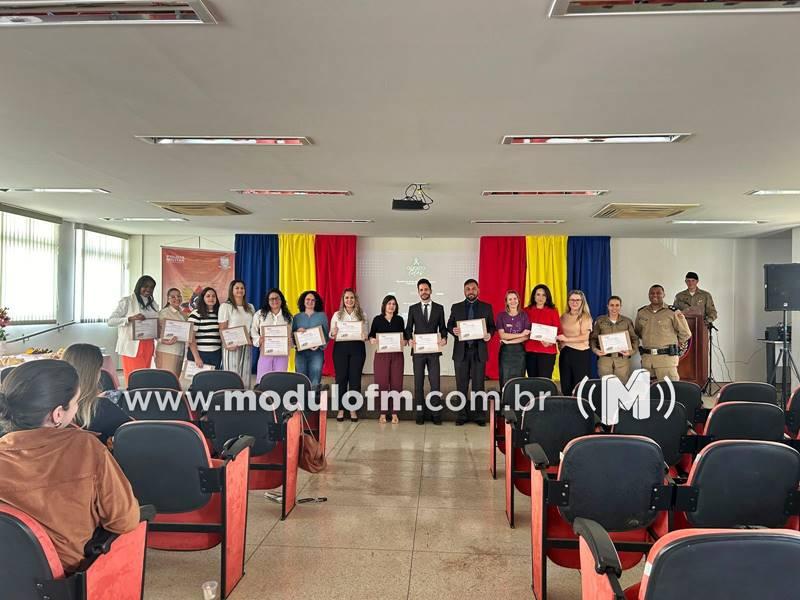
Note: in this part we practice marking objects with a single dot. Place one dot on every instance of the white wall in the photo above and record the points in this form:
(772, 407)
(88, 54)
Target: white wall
(732, 270)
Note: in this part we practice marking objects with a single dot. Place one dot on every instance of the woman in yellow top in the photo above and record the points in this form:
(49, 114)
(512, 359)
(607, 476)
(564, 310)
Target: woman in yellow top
(575, 360)
(170, 353)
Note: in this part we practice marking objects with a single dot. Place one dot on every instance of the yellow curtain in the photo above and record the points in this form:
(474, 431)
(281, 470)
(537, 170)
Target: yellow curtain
(297, 269)
(547, 264)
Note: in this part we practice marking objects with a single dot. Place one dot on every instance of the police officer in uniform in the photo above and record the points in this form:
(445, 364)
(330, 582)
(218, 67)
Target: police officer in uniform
(695, 298)
(615, 363)
(661, 329)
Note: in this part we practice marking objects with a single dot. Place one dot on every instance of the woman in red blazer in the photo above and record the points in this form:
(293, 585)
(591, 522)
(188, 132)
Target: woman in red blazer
(540, 357)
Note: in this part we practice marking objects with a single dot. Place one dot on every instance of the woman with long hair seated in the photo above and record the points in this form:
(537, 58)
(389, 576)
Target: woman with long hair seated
(60, 475)
(95, 412)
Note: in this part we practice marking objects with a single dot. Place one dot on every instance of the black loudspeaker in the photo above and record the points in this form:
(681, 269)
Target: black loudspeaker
(782, 287)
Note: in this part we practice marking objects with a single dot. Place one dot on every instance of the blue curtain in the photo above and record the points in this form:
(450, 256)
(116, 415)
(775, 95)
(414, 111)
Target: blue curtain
(589, 269)
(257, 266)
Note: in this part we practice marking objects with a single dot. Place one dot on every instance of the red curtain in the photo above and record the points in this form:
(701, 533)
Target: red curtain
(336, 270)
(502, 265)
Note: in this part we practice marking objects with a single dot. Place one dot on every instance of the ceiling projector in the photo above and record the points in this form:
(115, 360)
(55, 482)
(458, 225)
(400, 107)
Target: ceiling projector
(414, 198)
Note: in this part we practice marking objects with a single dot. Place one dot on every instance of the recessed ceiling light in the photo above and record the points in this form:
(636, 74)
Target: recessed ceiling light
(517, 222)
(57, 190)
(103, 12)
(648, 138)
(583, 8)
(714, 222)
(227, 140)
(298, 220)
(261, 192)
(774, 193)
(145, 219)
(546, 193)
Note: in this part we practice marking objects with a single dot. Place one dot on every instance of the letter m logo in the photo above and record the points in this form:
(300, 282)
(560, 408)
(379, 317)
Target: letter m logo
(635, 397)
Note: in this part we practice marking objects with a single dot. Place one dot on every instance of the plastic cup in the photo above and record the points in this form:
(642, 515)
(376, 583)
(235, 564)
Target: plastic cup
(210, 590)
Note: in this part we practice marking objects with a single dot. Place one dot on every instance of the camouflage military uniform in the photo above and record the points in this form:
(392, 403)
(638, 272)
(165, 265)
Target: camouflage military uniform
(660, 332)
(701, 300)
(615, 363)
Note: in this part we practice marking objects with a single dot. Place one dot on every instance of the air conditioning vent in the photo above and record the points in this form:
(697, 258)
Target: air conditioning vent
(588, 8)
(32, 13)
(641, 211)
(203, 209)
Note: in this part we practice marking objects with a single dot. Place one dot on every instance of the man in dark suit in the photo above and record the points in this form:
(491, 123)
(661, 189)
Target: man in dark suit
(426, 317)
(469, 357)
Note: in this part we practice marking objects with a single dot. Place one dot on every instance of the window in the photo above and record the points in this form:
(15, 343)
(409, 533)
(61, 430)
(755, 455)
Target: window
(101, 274)
(28, 268)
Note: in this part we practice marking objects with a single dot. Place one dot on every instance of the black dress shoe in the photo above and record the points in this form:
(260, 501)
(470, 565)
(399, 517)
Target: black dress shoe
(480, 422)
(420, 421)
(437, 422)
(460, 422)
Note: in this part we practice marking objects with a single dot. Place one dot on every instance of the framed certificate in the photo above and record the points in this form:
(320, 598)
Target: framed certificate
(190, 369)
(544, 333)
(310, 338)
(236, 336)
(275, 346)
(145, 330)
(181, 330)
(349, 330)
(473, 329)
(615, 342)
(390, 342)
(275, 330)
(426, 343)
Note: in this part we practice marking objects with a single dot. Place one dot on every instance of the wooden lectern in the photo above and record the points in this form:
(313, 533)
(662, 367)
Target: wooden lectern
(693, 365)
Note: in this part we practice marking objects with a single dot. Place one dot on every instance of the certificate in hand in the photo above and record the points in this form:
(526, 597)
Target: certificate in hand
(615, 342)
(390, 342)
(180, 330)
(472, 329)
(275, 330)
(275, 346)
(349, 330)
(426, 343)
(190, 369)
(146, 329)
(310, 338)
(544, 333)
(236, 336)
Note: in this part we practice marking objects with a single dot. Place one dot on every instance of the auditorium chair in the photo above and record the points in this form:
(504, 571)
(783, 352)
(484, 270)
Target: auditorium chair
(156, 404)
(687, 393)
(276, 432)
(667, 426)
(552, 424)
(793, 414)
(201, 502)
(5, 372)
(616, 480)
(741, 483)
(748, 391)
(739, 421)
(497, 426)
(214, 381)
(707, 564)
(153, 378)
(30, 568)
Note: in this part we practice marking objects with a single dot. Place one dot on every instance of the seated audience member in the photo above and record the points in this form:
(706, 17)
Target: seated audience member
(95, 412)
(61, 476)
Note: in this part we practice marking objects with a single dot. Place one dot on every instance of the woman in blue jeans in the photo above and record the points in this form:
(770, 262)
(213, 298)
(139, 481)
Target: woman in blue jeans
(310, 314)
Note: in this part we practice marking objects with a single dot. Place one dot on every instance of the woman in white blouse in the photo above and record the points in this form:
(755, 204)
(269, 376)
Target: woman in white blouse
(273, 312)
(237, 312)
(349, 354)
(170, 352)
(136, 348)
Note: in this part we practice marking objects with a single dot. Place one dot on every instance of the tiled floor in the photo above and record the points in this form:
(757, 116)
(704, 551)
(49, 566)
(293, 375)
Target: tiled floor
(412, 513)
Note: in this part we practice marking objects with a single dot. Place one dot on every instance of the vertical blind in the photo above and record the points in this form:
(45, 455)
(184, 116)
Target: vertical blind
(28, 268)
(101, 274)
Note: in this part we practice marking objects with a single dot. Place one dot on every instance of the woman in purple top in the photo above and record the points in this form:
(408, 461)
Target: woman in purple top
(514, 328)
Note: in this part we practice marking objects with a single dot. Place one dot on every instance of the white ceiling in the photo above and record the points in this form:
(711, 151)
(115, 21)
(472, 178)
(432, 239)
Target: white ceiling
(394, 93)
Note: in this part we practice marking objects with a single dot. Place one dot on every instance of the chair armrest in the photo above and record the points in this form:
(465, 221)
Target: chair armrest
(147, 512)
(235, 445)
(510, 416)
(537, 455)
(606, 559)
(99, 543)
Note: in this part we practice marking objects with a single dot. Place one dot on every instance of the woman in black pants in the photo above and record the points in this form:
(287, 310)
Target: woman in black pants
(575, 360)
(348, 354)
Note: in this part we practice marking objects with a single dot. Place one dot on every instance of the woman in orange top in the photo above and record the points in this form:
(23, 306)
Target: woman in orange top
(540, 357)
(61, 476)
(575, 361)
